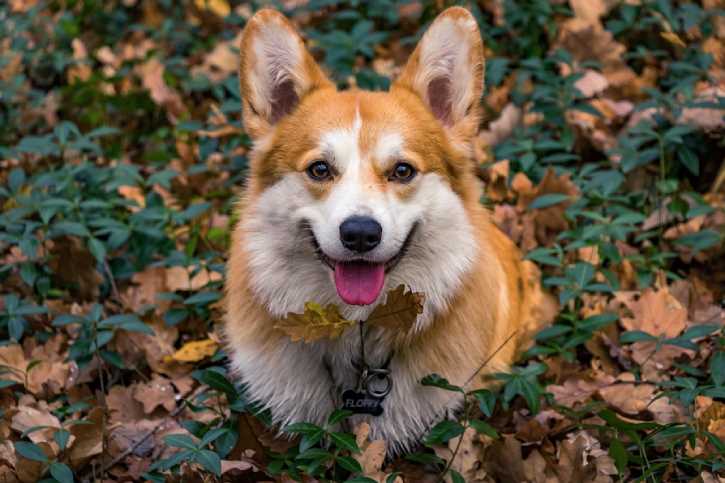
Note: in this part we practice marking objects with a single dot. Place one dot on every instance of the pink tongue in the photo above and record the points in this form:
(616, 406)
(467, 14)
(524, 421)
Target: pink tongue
(359, 283)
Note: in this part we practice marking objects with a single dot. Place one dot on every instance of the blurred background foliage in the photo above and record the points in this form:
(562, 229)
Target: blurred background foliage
(122, 149)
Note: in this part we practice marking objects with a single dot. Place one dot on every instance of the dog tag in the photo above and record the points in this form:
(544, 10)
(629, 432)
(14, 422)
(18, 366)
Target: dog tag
(362, 403)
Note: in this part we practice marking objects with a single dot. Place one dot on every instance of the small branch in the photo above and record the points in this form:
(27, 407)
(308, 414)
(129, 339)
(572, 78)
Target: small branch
(111, 280)
(467, 410)
(488, 359)
(118, 459)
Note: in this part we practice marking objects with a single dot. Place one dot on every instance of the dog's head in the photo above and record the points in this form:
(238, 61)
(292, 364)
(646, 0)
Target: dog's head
(353, 192)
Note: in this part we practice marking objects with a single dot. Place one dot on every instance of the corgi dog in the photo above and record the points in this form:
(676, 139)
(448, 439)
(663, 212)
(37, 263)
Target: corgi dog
(351, 194)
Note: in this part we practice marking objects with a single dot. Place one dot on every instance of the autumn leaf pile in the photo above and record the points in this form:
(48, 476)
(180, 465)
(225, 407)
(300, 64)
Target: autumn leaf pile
(121, 151)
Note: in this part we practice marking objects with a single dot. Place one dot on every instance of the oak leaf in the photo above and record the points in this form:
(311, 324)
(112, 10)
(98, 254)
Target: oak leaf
(217, 7)
(400, 310)
(317, 322)
(194, 351)
(157, 392)
(655, 312)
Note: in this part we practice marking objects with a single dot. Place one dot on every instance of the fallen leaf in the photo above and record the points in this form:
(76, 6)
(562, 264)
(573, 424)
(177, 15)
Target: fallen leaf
(179, 278)
(74, 266)
(655, 312)
(591, 83)
(152, 77)
(400, 310)
(217, 7)
(222, 61)
(28, 417)
(228, 465)
(591, 10)
(12, 363)
(30, 471)
(133, 193)
(315, 323)
(372, 454)
(578, 390)
(88, 438)
(157, 392)
(673, 38)
(195, 351)
(502, 127)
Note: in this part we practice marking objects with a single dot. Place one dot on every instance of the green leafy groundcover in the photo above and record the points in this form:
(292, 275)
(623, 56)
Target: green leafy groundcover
(121, 150)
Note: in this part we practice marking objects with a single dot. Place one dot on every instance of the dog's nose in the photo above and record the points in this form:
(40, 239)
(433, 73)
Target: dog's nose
(360, 233)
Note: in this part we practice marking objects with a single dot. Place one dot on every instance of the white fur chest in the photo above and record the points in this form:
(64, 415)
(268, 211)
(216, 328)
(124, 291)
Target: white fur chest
(304, 382)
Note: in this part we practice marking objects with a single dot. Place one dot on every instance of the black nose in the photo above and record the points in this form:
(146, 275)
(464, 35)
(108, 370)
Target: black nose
(360, 233)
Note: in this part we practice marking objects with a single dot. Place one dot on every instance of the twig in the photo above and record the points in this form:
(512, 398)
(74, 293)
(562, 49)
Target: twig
(150, 432)
(498, 349)
(111, 280)
(101, 374)
(466, 415)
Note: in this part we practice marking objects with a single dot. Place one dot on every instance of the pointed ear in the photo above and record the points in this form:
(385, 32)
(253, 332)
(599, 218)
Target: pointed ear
(446, 70)
(275, 72)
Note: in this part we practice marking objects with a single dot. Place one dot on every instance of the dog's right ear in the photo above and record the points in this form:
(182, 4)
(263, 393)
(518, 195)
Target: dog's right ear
(276, 71)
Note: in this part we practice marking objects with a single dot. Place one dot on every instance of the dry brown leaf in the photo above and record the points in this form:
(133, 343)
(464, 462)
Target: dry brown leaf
(581, 458)
(133, 193)
(195, 351)
(541, 226)
(179, 278)
(655, 312)
(315, 323)
(28, 417)
(222, 61)
(157, 392)
(591, 83)
(633, 398)
(74, 266)
(502, 127)
(497, 181)
(587, 40)
(578, 390)
(124, 436)
(88, 438)
(146, 285)
(372, 455)
(228, 465)
(591, 10)
(152, 77)
(12, 363)
(122, 406)
(80, 71)
(400, 310)
(50, 372)
(468, 459)
(30, 471)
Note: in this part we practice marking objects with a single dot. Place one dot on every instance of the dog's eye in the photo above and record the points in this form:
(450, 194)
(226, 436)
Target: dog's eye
(402, 173)
(319, 171)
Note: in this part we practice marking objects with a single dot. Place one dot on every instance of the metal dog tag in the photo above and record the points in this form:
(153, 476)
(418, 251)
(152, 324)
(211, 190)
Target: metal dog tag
(372, 387)
(362, 403)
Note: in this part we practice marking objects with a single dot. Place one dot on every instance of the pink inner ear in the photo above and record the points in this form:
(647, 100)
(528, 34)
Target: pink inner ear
(439, 98)
(284, 100)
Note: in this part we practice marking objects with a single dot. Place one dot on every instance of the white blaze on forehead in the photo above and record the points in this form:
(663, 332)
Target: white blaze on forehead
(343, 145)
(389, 145)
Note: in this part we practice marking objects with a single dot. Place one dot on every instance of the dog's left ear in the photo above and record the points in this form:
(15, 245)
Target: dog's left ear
(446, 71)
(275, 72)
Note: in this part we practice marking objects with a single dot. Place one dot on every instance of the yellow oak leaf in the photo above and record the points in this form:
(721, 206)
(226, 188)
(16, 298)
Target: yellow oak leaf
(400, 310)
(218, 7)
(316, 323)
(194, 351)
(673, 38)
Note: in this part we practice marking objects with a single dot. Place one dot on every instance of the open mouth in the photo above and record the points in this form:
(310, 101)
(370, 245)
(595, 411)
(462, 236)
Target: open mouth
(359, 281)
